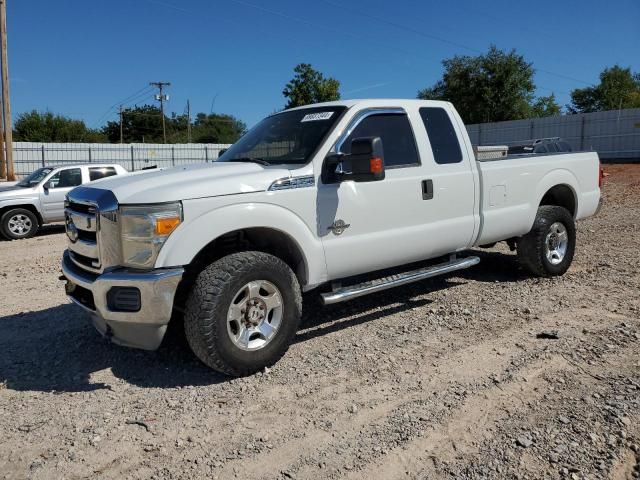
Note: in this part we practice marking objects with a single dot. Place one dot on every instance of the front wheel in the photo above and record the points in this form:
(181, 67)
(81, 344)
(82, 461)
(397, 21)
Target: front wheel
(18, 223)
(547, 250)
(243, 312)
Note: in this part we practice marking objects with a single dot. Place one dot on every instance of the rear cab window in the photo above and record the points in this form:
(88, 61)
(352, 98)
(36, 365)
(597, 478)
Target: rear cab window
(96, 173)
(442, 136)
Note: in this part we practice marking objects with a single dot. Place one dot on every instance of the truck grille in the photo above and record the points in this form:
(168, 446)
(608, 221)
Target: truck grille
(91, 225)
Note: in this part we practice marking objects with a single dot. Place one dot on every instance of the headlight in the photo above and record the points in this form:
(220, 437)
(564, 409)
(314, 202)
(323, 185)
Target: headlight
(145, 228)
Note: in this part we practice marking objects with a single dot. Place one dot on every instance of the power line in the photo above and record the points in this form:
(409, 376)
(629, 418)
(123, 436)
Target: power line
(361, 13)
(434, 37)
(127, 99)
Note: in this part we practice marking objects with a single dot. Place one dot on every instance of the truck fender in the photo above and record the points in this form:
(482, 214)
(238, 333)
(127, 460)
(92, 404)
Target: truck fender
(196, 233)
(21, 202)
(552, 179)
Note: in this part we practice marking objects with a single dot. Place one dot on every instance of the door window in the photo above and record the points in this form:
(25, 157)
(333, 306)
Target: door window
(96, 173)
(442, 136)
(71, 177)
(398, 142)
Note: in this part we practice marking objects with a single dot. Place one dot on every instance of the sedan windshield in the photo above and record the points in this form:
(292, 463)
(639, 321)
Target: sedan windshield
(35, 178)
(289, 137)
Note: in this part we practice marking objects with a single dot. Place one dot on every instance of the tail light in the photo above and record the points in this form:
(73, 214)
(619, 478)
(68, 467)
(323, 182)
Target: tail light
(600, 176)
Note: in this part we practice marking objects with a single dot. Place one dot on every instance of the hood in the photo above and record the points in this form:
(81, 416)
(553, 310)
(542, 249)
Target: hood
(191, 181)
(6, 185)
(13, 192)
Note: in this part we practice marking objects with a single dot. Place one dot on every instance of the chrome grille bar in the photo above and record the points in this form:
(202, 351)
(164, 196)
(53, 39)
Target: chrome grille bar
(92, 228)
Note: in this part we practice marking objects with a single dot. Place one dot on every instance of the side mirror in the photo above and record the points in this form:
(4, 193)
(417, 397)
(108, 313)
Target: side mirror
(46, 185)
(365, 163)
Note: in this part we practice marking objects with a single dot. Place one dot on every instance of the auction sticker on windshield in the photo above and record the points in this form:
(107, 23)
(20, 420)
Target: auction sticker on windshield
(312, 117)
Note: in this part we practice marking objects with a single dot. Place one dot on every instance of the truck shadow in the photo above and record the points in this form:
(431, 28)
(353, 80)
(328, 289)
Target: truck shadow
(44, 231)
(494, 267)
(57, 350)
(318, 320)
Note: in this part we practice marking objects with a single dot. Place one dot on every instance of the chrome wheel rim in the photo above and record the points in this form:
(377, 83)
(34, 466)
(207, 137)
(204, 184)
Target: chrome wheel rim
(255, 315)
(556, 243)
(20, 224)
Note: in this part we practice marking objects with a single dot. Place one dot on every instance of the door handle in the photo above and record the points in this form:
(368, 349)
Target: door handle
(427, 189)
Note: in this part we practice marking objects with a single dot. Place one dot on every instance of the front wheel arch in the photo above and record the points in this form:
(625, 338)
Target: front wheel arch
(31, 217)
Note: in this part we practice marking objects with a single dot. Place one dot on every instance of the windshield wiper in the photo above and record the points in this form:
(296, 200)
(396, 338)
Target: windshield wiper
(259, 161)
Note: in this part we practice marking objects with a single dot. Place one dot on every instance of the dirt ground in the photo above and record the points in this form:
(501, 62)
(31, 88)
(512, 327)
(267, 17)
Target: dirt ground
(442, 379)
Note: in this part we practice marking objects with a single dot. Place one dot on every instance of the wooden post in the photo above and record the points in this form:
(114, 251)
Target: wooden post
(6, 104)
(3, 164)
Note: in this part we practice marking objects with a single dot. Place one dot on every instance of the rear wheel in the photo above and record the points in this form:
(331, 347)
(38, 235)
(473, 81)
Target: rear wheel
(243, 312)
(18, 223)
(547, 250)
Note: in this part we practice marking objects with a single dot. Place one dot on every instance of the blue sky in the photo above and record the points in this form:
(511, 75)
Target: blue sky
(81, 57)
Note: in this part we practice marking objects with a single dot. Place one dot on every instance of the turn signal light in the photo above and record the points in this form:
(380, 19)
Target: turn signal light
(164, 226)
(375, 165)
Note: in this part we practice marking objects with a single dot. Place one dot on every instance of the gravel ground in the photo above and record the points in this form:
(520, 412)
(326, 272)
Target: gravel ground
(442, 379)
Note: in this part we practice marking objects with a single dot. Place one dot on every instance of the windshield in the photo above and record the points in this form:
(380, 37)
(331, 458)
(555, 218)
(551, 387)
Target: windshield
(289, 137)
(35, 178)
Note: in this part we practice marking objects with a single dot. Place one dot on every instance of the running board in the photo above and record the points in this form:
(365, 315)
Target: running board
(379, 284)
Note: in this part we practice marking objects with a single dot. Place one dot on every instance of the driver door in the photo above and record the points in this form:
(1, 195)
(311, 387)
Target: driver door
(368, 226)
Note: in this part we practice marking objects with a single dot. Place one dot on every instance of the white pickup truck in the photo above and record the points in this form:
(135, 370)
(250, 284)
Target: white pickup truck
(38, 198)
(316, 197)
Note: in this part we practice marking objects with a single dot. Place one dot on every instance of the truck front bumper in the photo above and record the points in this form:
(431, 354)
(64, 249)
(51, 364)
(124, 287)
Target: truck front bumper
(130, 308)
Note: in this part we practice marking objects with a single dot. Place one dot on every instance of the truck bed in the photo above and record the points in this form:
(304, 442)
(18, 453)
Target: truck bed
(513, 187)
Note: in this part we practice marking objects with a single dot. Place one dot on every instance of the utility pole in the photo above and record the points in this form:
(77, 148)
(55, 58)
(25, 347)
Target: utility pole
(161, 98)
(3, 165)
(6, 104)
(188, 122)
(121, 124)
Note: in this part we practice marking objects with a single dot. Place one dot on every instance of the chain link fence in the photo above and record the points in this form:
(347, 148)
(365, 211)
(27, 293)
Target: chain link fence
(28, 156)
(614, 134)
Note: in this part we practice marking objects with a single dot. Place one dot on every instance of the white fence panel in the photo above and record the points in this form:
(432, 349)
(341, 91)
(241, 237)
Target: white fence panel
(29, 156)
(614, 134)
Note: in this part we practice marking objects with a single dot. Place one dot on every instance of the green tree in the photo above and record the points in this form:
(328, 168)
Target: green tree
(491, 87)
(545, 107)
(217, 128)
(144, 123)
(618, 88)
(310, 86)
(37, 126)
(141, 123)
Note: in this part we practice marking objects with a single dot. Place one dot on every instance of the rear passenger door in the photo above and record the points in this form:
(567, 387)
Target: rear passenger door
(450, 212)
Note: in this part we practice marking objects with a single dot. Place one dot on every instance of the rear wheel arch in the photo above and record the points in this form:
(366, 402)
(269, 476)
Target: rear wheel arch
(561, 195)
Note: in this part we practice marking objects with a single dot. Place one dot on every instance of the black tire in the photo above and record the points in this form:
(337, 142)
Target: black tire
(205, 319)
(28, 218)
(533, 247)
